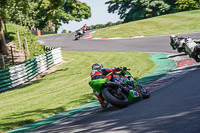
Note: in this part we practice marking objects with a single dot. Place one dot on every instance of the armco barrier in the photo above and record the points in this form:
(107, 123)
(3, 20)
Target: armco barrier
(17, 75)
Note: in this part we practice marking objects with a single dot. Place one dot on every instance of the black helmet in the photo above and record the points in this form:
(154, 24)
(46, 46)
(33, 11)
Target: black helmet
(96, 66)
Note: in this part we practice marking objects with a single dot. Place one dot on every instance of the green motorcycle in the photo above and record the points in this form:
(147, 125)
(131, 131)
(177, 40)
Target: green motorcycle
(121, 91)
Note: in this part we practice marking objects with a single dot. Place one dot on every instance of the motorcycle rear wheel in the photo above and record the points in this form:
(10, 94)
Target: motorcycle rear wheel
(115, 101)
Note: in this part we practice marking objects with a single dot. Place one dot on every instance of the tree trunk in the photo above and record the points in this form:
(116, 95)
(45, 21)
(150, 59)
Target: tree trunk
(3, 48)
(56, 28)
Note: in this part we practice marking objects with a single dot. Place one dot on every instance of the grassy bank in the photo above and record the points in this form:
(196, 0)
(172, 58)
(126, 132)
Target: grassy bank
(183, 22)
(65, 88)
(35, 48)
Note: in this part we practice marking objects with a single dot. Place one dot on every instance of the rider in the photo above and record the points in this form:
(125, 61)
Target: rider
(99, 72)
(180, 42)
(85, 28)
(176, 42)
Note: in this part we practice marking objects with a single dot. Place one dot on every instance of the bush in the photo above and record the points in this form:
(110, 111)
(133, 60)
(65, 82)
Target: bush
(185, 5)
(98, 26)
(64, 31)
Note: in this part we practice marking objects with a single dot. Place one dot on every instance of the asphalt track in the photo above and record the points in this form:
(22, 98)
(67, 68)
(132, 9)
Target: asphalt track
(174, 108)
(147, 44)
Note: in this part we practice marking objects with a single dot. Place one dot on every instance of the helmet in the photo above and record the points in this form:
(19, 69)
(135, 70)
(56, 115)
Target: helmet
(96, 66)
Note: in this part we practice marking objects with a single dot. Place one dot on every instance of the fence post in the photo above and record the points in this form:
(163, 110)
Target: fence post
(4, 65)
(13, 62)
(19, 39)
(24, 52)
(27, 50)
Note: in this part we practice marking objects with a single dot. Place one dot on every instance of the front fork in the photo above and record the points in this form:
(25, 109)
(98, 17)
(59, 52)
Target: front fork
(132, 94)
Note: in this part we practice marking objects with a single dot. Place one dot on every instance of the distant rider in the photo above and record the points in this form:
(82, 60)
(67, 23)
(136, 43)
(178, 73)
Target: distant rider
(85, 28)
(99, 72)
(179, 42)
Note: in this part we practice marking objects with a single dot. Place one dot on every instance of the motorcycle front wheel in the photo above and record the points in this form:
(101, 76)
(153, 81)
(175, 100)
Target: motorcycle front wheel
(144, 92)
(119, 100)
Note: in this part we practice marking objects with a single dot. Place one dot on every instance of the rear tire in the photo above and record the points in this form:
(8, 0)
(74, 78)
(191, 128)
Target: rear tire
(120, 103)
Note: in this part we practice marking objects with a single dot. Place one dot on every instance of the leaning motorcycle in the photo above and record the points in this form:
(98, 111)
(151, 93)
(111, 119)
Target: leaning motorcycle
(121, 91)
(78, 35)
(192, 48)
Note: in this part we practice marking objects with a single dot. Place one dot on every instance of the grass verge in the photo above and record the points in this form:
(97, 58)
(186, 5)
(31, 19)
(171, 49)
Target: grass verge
(182, 22)
(65, 88)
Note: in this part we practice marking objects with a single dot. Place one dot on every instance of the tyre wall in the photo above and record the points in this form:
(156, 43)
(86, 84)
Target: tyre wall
(19, 74)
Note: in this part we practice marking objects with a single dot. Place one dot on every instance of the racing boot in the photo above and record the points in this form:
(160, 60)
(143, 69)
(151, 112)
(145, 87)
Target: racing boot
(103, 102)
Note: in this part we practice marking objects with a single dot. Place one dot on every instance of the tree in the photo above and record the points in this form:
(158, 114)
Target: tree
(41, 13)
(77, 10)
(130, 10)
(3, 48)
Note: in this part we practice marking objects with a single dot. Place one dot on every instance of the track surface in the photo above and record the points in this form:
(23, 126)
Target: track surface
(146, 44)
(174, 108)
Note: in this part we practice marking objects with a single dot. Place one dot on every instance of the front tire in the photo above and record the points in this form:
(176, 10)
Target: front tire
(144, 92)
(110, 98)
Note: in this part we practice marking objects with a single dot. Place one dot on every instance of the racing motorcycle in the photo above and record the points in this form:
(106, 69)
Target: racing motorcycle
(192, 48)
(121, 91)
(188, 45)
(78, 34)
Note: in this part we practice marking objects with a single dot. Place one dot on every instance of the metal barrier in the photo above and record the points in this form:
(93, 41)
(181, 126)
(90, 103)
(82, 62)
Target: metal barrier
(17, 75)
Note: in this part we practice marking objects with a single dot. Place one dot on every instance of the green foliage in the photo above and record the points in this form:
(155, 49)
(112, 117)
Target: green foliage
(130, 10)
(34, 47)
(98, 26)
(77, 10)
(43, 13)
(64, 31)
(185, 5)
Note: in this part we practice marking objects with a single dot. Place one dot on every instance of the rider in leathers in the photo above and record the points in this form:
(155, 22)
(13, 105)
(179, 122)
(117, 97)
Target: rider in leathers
(190, 46)
(99, 72)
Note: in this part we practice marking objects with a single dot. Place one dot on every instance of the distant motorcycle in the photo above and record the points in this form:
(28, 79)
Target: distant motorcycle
(78, 34)
(187, 45)
(192, 48)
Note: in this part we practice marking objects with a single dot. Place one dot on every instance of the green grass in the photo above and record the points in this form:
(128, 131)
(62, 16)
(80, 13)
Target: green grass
(182, 22)
(65, 88)
(35, 48)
